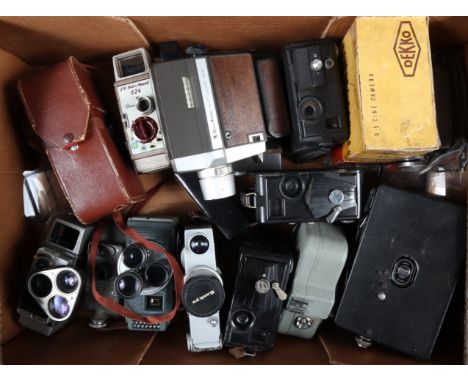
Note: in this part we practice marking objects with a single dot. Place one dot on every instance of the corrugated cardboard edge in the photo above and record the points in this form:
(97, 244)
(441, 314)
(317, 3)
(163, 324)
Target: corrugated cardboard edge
(137, 30)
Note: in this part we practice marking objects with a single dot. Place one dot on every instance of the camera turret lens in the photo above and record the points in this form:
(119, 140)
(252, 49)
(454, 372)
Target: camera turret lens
(291, 186)
(40, 285)
(158, 274)
(67, 281)
(199, 244)
(128, 285)
(134, 256)
(59, 307)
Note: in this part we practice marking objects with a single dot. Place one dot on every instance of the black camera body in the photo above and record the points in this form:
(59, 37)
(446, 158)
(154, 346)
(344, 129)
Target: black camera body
(55, 282)
(258, 298)
(306, 196)
(316, 98)
(145, 281)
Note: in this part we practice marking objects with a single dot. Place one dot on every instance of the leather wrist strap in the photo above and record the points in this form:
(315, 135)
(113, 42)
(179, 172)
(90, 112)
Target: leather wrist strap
(113, 305)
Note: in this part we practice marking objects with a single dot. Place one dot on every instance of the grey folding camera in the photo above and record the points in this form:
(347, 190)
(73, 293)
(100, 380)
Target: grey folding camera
(211, 116)
(134, 87)
(322, 255)
(203, 293)
(54, 285)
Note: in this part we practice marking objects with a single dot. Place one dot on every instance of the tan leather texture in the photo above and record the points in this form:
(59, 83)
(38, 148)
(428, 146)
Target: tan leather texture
(65, 111)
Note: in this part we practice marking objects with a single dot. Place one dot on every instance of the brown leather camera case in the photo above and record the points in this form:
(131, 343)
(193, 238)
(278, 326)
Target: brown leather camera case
(65, 111)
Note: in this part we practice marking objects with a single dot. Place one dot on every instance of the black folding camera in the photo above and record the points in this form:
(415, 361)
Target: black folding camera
(410, 256)
(258, 298)
(306, 196)
(55, 279)
(316, 98)
(145, 281)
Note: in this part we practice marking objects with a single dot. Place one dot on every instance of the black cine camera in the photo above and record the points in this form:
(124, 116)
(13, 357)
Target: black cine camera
(306, 196)
(258, 298)
(55, 280)
(145, 281)
(316, 98)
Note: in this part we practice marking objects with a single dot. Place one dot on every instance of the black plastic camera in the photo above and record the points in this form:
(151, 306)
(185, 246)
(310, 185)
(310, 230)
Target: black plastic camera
(306, 196)
(55, 280)
(145, 281)
(262, 277)
(316, 98)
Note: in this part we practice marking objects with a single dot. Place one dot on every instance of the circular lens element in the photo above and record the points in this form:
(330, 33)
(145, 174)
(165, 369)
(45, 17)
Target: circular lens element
(291, 186)
(145, 129)
(199, 244)
(59, 307)
(243, 319)
(128, 285)
(134, 256)
(40, 285)
(157, 275)
(310, 109)
(67, 281)
(203, 296)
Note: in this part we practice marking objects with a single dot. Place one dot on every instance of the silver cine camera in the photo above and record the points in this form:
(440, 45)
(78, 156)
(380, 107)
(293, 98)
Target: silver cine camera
(203, 293)
(134, 87)
(55, 281)
(323, 250)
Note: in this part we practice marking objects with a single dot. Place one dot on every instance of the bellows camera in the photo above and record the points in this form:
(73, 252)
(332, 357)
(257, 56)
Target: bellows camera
(322, 252)
(262, 277)
(145, 281)
(412, 247)
(134, 87)
(211, 116)
(306, 196)
(55, 283)
(316, 98)
(203, 293)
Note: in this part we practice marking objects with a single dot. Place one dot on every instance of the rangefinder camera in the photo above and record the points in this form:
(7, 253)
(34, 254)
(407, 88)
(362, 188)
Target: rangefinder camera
(134, 87)
(211, 116)
(203, 293)
(306, 196)
(55, 280)
(322, 251)
(259, 294)
(145, 281)
(316, 98)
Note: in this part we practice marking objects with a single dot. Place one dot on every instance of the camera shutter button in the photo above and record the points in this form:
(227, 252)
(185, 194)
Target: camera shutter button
(145, 129)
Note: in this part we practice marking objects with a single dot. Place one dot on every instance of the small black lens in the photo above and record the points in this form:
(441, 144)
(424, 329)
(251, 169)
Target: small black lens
(199, 244)
(157, 275)
(59, 307)
(67, 281)
(310, 109)
(243, 319)
(134, 256)
(291, 186)
(128, 285)
(143, 105)
(41, 285)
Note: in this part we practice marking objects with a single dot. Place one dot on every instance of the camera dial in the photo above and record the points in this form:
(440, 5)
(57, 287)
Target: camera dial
(145, 129)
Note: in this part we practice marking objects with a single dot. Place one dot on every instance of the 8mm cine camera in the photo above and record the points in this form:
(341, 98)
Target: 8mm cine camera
(203, 293)
(55, 280)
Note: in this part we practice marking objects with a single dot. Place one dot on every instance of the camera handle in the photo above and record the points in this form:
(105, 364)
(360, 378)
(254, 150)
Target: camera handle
(135, 236)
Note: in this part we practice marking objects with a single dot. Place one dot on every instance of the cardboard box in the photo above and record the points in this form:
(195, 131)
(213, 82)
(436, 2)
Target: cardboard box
(27, 43)
(390, 89)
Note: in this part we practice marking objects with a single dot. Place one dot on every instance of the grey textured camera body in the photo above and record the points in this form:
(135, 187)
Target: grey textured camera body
(211, 116)
(203, 293)
(134, 87)
(50, 296)
(145, 281)
(323, 250)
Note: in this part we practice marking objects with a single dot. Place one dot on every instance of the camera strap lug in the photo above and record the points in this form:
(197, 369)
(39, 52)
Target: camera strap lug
(248, 199)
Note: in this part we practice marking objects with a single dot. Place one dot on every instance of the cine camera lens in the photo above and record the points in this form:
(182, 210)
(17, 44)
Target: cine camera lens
(134, 256)
(199, 244)
(40, 285)
(59, 307)
(291, 186)
(67, 281)
(157, 275)
(128, 285)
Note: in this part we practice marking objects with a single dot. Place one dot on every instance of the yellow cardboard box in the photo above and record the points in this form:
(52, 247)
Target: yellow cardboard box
(390, 89)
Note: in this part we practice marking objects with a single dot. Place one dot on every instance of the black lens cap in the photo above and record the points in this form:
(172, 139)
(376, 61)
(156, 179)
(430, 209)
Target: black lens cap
(199, 244)
(203, 296)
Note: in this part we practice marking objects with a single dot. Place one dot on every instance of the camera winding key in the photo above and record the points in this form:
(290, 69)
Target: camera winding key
(282, 295)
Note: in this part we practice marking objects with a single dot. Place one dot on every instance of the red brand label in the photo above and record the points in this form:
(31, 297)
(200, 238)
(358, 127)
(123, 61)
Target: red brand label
(407, 49)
